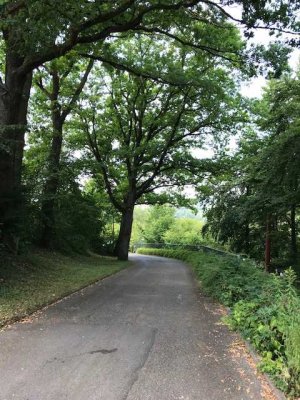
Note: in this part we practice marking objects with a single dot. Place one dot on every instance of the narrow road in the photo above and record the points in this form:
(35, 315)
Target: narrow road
(146, 333)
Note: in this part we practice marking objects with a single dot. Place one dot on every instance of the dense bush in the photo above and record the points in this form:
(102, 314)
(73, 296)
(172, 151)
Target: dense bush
(265, 308)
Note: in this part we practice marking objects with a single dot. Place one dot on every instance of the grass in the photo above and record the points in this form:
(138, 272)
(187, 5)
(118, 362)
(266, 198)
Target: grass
(30, 282)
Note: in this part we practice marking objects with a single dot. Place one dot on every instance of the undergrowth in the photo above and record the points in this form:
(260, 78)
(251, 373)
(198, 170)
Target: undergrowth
(265, 308)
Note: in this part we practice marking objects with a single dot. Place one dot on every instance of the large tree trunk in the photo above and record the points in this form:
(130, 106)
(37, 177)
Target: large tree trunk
(14, 97)
(294, 249)
(122, 245)
(51, 185)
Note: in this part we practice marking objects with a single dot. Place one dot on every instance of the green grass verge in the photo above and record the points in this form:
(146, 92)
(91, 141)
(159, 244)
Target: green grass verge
(265, 309)
(30, 282)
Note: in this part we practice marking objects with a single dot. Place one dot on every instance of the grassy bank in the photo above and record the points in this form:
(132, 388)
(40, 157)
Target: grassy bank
(265, 309)
(29, 282)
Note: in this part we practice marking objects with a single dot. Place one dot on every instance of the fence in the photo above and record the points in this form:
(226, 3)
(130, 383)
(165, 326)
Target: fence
(205, 249)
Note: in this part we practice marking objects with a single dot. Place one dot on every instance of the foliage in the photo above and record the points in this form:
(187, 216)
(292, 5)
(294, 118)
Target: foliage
(140, 131)
(184, 231)
(58, 87)
(159, 221)
(260, 182)
(137, 132)
(264, 308)
(43, 28)
(271, 322)
(159, 225)
(79, 227)
(140, 223)
(35, 35)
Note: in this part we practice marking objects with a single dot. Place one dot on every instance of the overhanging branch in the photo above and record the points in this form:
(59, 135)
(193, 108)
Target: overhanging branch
(139, 73)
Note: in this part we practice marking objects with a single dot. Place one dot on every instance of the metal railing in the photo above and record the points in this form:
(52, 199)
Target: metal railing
(205, 249)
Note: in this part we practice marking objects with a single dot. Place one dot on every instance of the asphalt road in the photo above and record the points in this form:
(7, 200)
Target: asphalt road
(146, 333)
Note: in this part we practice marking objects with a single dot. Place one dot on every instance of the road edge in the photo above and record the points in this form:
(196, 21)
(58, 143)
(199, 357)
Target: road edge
(39, 309)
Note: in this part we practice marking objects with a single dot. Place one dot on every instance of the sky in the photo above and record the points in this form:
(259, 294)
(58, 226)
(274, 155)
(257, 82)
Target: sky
(254, 87)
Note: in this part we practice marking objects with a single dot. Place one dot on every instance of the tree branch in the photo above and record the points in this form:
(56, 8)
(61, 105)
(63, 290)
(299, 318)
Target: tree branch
(146, 184)
(78, 91)
(126, 137)
(95, 150)
(39, 82)
(208, 49)
(74, 38)
(141, 74)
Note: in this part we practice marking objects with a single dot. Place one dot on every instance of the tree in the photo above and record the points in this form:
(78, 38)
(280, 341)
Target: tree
(161, 224)
(226, 195)
(140, 218)
(184, 231)
(61, 83)
(35, 32)
(160, 219)
(81, 212)
(253, 200)
(141, 131)
(279, 116)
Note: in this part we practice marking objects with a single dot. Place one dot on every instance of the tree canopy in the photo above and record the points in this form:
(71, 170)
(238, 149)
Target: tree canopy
(141, 131)
(164, 81)
(256, 195)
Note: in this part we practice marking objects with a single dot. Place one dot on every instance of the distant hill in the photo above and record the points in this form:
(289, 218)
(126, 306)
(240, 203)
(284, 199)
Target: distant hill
(183, 212)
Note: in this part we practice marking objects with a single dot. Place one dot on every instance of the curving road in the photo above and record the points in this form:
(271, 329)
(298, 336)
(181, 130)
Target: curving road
(146, 333)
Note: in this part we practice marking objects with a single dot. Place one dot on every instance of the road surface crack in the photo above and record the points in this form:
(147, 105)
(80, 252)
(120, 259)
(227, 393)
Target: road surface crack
(135, 375)
(63, 360)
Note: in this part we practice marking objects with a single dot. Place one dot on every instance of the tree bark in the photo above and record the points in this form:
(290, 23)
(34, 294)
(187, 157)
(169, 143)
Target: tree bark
(51, 185)
(123, 241)
(14, 98)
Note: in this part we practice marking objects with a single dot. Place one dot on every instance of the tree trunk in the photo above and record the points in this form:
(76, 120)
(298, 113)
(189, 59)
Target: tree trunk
(14, 97)
(122, 245)
(294, 249)
(268, 244)
(51, 185)
(247, 227)
(247, 238)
